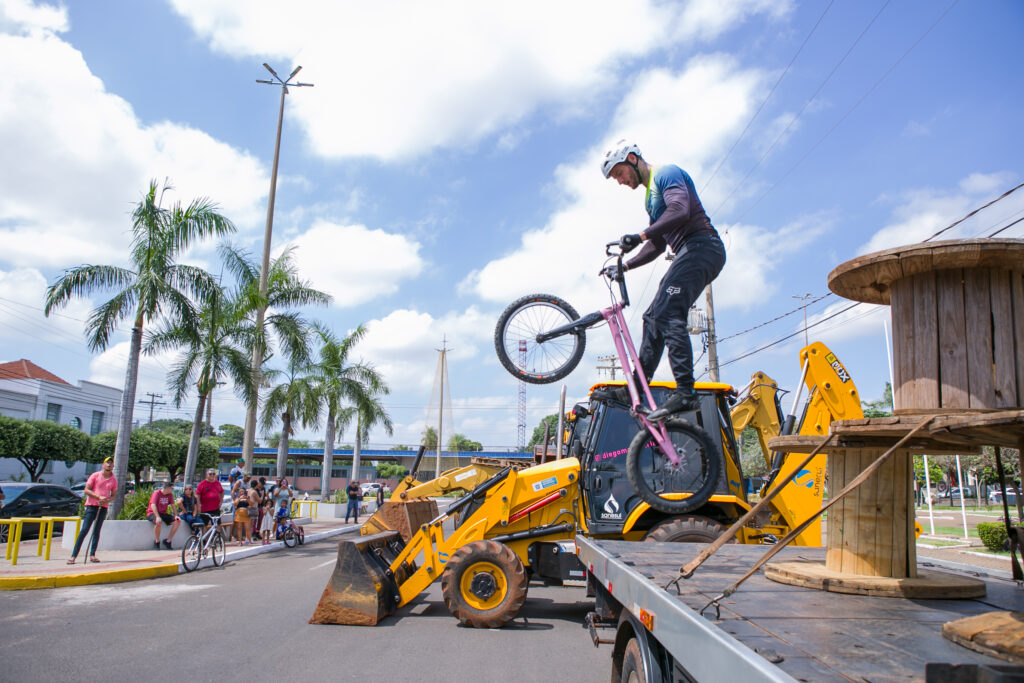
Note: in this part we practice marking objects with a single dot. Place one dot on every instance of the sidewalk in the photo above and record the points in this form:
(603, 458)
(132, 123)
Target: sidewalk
(116, 566)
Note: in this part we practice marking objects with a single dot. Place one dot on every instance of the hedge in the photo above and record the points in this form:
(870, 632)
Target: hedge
(993, 535)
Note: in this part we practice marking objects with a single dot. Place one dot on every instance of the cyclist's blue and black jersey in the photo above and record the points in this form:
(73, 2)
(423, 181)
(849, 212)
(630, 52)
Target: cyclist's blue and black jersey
(675, 211)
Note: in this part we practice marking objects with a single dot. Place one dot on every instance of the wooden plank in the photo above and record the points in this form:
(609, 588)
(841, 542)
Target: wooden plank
(851, 510)
(834, 530)
(904, 375)
(978, 317)
(1005, 365)
(883, 536)
(926, 342)
(1017, 302)
(952, 336)
(867, 516)
(898, 503)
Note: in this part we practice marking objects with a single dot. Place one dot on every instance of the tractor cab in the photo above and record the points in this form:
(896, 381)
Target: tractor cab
(600, 434)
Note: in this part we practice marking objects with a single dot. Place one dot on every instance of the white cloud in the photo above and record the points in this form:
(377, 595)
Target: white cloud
(84, 159)
(109, 368)
(22, 297)
(920, 213)
(355, 264)
(24, 16)
(453, 72)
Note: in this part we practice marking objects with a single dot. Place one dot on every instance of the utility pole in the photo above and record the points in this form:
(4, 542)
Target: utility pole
(152, 403)
(249, 436)
(804, 299)
(443, 372)
(712, 340)
(612, 365)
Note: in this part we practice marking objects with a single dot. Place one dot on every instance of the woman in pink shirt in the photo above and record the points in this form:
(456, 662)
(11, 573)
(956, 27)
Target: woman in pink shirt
(99, 491)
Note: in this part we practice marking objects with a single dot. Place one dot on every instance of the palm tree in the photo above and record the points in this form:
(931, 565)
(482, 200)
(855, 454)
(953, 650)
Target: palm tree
(341, 382)
(152, 287)
(369, 414)
(295, 399)
(214, 346)
(285, 291)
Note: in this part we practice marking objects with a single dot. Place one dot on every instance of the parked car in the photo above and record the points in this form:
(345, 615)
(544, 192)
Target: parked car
(79, 489)
(996, 497)
(26, 499)
(370, 488)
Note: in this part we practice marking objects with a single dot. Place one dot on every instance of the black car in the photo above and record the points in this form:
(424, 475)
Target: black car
(35, 500)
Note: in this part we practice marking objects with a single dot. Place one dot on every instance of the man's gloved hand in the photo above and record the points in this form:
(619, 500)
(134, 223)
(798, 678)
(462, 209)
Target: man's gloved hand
(629, 242)
(613, 272)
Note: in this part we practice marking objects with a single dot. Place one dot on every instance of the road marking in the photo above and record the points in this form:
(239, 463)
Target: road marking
(88, 595)
(322, 564)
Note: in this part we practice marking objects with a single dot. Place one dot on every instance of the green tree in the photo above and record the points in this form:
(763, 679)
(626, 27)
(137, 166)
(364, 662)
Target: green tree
(430, 438)
(53, 442)
(390, 470)
(370, 413)
(459, 442)
(231, 435)
(285, 292)
(880, 408)
(751, 455)
(214, 347)
(16, 437)
(537, 439)
(173, 426)
(154, 286)
(293, 401)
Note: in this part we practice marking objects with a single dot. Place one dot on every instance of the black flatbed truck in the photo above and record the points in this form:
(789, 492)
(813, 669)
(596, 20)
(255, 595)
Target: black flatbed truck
(769, 631)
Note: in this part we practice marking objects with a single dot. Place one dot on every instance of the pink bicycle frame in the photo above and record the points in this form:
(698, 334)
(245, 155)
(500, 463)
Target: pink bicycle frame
(624, 346)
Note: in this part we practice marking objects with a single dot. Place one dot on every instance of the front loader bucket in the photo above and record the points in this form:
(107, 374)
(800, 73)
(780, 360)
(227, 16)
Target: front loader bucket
(405, 516)
(361, 591)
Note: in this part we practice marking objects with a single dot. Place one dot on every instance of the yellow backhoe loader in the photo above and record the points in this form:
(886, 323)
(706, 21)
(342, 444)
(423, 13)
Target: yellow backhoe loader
(516, 525)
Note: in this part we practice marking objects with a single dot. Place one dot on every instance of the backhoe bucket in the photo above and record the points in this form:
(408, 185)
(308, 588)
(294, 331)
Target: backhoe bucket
(361, 591)
(406, 517)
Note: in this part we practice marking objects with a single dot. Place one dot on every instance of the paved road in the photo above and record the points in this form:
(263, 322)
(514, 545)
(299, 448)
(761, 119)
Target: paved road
(247, 621)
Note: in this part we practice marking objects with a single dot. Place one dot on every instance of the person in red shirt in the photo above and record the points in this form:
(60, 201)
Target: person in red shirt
(99, 491)
(210, 493)
(162, 508)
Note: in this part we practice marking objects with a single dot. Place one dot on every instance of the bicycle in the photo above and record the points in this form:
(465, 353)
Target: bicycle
(205, 539)
(540, 339)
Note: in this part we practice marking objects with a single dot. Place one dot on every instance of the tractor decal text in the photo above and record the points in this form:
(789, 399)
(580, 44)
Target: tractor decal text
(844, 376)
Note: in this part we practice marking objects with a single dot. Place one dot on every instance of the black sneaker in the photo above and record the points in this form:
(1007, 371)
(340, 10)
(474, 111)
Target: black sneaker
(678, 402)
(167, 544)
(156, 545)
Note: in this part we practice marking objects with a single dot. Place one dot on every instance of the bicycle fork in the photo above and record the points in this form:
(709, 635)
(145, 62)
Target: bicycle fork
(626, 350)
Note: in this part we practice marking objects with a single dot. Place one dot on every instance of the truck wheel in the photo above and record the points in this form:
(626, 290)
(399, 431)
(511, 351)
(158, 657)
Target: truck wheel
(484, 584)
(688, 529)
(633, 664)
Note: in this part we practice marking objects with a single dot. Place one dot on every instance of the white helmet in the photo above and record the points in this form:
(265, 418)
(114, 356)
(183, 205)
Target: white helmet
(618, 154)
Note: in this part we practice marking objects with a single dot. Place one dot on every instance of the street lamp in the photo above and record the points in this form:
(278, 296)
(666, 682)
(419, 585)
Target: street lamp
(257, 353)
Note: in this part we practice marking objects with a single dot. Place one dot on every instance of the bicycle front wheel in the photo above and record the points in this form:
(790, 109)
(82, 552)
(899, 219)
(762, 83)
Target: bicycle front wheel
(217, 549)
(190, 554)
(515, 339)
(289, 537)
(659, 481)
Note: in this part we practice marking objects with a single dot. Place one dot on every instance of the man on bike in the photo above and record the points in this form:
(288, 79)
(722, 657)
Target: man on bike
(677, 221)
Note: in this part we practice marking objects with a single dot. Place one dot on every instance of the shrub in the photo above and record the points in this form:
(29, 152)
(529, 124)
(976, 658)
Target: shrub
(992, 534)
(135, 504)
(339, 497)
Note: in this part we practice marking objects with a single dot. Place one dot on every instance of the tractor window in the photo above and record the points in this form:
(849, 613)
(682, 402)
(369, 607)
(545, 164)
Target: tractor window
(617, 429)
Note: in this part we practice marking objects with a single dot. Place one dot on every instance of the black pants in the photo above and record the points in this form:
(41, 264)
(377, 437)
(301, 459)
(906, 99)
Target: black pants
(92, 512)
(698, 263)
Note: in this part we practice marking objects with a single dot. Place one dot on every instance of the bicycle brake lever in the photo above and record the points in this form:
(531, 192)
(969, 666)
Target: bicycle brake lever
(608, 248)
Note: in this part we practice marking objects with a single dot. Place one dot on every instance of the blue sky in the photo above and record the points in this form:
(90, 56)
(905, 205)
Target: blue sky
(446, 162)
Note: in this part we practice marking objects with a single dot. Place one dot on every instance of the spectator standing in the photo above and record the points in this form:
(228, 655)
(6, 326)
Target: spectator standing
(239, 469)
(267, 520)
(210, 493)
(162, 509)
(283, 494)
(256, 495)
(99, 491)
(242, 525)
(380, 496)
(354, 497)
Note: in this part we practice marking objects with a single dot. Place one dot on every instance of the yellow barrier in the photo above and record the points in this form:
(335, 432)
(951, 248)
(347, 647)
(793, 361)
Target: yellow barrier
(297, 507)
(13, 537)
(46, 525)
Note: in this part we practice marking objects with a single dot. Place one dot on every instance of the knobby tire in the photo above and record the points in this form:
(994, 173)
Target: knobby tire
(653, 476)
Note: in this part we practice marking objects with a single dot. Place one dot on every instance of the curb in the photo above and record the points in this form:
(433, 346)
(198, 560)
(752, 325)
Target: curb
(10, 583)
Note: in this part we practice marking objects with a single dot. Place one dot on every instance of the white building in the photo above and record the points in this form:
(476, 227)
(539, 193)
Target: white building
(29, 392)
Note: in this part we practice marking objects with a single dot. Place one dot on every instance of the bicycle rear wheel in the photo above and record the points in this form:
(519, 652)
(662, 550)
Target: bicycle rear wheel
(190, 554)
(515, 339)
(653, 476)
(289, 538)
(217, 549)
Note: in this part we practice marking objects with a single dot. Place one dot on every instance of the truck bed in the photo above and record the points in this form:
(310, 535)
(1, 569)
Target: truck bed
(810, 635)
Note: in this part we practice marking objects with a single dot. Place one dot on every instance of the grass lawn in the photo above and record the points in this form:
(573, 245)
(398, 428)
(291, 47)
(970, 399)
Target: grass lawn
(950, 530)
(939, 542)
(1000, 553)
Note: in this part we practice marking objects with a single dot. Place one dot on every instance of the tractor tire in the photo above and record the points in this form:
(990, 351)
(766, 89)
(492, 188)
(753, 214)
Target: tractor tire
(484, 584)
(685, 529)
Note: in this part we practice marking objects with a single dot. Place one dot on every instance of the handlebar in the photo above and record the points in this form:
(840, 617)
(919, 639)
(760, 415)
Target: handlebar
(618, 261)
